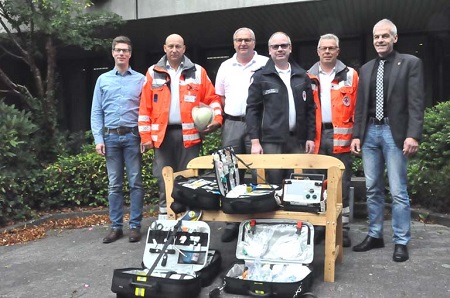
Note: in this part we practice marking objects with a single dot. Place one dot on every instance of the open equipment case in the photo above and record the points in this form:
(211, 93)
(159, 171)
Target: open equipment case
(240, 198)
(177, 262)
(274, 259)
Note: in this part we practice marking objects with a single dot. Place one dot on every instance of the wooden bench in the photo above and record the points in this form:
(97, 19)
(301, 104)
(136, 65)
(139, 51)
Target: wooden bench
(331, 219)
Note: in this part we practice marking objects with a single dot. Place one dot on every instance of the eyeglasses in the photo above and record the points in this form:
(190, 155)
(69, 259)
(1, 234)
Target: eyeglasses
(125, 51)
(331, 49)
(283, 46)
(246, 40)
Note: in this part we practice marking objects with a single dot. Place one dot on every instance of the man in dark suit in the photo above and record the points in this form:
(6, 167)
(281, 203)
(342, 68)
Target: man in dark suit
(388, 126)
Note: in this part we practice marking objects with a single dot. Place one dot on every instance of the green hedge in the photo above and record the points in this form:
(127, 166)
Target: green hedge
(19, 178)
(429, 171)
(81, 180)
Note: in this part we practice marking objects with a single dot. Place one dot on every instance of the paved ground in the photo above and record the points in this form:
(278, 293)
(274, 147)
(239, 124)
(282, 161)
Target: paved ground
(74, 263)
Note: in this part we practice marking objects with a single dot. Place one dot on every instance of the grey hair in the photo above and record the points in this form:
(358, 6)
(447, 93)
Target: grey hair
(279, 32)
(244, 29)
(393, 28)
(328, 36)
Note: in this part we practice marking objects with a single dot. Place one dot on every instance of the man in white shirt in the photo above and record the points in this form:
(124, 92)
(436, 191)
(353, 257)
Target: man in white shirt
(232, 82)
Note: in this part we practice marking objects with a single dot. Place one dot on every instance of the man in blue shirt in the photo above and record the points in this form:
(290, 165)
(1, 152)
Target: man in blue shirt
(114, 117)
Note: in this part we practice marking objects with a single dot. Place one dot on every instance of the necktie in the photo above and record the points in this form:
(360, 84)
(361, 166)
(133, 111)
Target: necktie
(379, 91)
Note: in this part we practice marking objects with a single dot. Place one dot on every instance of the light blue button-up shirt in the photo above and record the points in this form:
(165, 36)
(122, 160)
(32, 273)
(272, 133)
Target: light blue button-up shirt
(116, 101)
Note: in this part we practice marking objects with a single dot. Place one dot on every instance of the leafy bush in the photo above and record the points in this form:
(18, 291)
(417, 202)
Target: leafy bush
(19, 174)
(82, 180)
(212, 142)
(429, 171)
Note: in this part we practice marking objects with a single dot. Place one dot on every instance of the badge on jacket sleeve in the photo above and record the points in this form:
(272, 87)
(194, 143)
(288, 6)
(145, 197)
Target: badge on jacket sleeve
(304, 95)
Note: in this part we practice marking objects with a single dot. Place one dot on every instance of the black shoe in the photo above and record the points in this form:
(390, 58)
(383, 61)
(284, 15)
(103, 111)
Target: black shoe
(400, 253)
(230, 233)
(368, 244)
(346, 241)
(113, 235)
(135, 235)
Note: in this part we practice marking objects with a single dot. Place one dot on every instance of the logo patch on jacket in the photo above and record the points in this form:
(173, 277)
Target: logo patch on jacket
(346, 101)
(304, 95)
(269, 91)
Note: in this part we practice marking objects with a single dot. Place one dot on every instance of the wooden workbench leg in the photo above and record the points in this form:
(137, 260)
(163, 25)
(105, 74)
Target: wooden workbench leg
(167, 173)
(330, 251)
(339, 239)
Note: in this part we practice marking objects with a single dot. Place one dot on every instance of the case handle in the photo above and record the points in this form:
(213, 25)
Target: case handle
(153, 286)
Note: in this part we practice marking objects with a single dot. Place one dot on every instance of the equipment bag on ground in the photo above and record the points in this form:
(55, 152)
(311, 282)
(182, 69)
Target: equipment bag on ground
(241, 198)
(275, 257)
(177, 262)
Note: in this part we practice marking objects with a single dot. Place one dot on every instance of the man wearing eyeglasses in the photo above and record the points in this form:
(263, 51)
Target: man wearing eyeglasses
(114, 121)
(280, 112)
(232, 81)
(173, 87)
(334, 87)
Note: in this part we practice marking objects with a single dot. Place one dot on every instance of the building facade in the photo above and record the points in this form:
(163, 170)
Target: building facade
(207, 27)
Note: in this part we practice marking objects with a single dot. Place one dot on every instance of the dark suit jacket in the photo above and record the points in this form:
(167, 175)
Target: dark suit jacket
(405, 99)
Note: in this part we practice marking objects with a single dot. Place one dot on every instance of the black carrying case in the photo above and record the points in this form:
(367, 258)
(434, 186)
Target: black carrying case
(197, 192)
(173, 275)
(276, 246)
(240, 198)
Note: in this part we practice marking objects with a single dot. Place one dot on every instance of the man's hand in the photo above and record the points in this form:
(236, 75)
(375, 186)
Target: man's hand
(146, 146)
(355, 146)
(256, 147)
(309, 147)
(410, 147)
(100, 149)
(213, 126)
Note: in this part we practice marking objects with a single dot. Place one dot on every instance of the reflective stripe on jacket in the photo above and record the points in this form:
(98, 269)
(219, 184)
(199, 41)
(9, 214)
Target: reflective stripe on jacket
(195, 88)
(343, 100)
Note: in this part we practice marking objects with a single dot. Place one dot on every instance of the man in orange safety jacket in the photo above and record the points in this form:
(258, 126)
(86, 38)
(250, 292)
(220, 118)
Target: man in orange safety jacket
(334, 88)
(173, 87)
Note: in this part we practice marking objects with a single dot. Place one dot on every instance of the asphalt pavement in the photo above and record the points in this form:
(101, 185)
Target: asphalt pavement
(75, 263)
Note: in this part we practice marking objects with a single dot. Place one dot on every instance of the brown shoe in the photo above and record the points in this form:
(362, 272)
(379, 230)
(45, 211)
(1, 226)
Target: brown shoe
(135, 235)
(113, 235)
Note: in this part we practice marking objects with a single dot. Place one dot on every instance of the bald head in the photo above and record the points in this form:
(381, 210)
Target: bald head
(174, 49)
(174, 38)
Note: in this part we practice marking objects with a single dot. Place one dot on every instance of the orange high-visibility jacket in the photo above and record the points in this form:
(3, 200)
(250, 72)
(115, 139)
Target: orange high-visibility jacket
(195, 88)
(343, 100)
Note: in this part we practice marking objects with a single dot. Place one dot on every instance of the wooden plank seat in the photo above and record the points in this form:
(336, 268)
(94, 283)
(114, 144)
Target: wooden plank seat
(331, 219)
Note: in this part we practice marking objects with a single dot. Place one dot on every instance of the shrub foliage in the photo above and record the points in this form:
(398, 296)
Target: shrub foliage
(19, 179)
(429, 171)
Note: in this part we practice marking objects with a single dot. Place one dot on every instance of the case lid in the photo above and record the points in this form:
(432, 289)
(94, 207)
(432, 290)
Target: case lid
(276, 241)
(186, 253)
(226, 168)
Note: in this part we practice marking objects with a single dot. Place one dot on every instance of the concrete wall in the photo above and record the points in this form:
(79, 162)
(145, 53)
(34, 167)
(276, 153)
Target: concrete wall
(142, 9)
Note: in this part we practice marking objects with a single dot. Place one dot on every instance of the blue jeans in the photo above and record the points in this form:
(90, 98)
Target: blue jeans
(124, 151)
(379, 149)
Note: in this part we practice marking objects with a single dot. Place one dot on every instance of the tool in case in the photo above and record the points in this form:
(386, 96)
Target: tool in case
(275, 257)
(241, 198)
(177, 262)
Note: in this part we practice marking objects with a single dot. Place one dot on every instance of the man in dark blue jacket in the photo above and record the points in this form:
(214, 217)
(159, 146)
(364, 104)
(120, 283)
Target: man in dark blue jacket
(280, 112)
